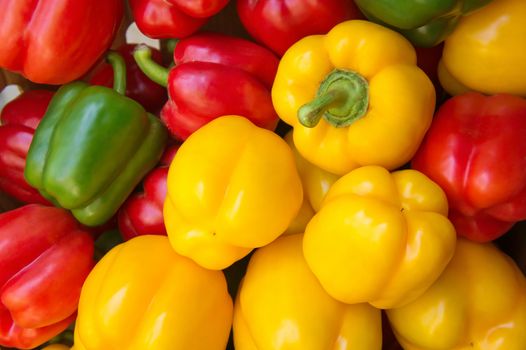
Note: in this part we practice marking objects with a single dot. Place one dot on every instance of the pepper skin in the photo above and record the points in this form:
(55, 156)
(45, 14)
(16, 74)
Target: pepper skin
(56, 41)
(278, 24)
(167, 300)
(336, 91)
(487, 51)
(478, 303)
(281, 305)
(165, 19)
(232, 187)
(214, 75)
(48, 258)
(476, 151)
(426, 23)
(139, 87)
(56, 347)
(19, 119)
(380, 238)
(92, 148)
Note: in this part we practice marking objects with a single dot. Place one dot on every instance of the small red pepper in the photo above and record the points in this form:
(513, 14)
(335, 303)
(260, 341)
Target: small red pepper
(18, 120)
(47, 257)
(214, 75)
(476, 151)
(160, 19)
(139, 87)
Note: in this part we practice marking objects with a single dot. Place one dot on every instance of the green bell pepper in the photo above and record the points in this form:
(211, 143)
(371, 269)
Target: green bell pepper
(425, 23)
(93, 146)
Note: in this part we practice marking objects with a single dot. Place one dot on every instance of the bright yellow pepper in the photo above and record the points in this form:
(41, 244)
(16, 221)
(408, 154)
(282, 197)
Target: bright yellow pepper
(143, 296)
(487, 51)
(232, 187)
(354, 97)
(280, 305)
(479, 303)
(380, 238)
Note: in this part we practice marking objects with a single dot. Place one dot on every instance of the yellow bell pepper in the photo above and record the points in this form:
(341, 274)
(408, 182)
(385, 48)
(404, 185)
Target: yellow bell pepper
(487, 51)
(479, 303)
(56, 347)
(143, 296)
(354, 97)
(280, 305)
(232, 187)
(380, 238)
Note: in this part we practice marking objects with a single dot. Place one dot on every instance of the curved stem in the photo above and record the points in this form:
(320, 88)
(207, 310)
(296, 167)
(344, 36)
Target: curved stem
(157, 73)
(310, 114)
(119, 71)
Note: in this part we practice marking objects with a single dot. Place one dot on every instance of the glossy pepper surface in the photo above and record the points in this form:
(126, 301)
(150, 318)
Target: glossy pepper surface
(281, 305)
(19, 119)
(48, 258)
(425, 23)
(173, 18)
(280, 23)
(56, 41)
(167, 300)
(487, 51)
(232, 187)
(91, 149)
(380, 238)
(476, 151)
(478, 303)
(215, 75)
(337, 93)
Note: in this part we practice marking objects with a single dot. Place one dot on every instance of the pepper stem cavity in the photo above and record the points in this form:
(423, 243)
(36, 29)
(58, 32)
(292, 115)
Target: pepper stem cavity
(157, 73)
(119, 71)
(342, 98)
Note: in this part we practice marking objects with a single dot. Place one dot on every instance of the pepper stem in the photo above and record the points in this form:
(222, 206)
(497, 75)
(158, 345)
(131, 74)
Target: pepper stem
(119, 71)
(342, 98)
(157, 73)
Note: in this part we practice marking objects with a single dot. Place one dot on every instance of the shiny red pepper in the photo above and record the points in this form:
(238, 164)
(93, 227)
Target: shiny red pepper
(46, 258)
(173, 18)
(139, 87)
(142, 213)
(476, 151)
(214, 75)
(280, 23)
(56, 41)
(18, 120)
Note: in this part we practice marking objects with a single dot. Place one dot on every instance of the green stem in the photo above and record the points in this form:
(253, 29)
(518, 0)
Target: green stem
(119, 71)
(157, 73)
(170, 45)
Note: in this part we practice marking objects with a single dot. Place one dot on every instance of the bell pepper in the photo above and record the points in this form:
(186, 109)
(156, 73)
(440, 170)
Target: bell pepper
(487, 51)
(142, 213)
(336, 91)
(380, 238)
(479, 302)
(425, 23)
(281, 305)
(56, 347)
(93, 147)
(476, 151)
(279, 24)
(214, 75)
(19, 119)
(47, 256)
(232, 187)
(142, 295)
(166, 19)
(139, 87)
(56, 41)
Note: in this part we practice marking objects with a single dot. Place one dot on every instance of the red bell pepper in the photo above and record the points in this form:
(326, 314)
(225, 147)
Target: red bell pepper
(280, 23)
(214, 75)
(138, 86)
(19, 119)
(160, 19)
(56, 41)
(46, 258)
(142, 213)
(476, 151)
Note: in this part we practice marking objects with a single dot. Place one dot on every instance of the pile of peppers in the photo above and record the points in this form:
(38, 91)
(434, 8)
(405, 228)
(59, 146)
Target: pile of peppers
(337, 174)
